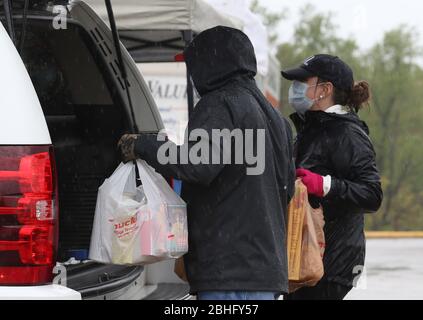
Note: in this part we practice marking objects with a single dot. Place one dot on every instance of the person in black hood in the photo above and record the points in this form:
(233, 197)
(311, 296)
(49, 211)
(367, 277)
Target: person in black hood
(337, 162)
(236, 219)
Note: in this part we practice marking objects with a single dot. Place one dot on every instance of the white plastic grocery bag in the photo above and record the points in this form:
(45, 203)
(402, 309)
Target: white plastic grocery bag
(138, 226)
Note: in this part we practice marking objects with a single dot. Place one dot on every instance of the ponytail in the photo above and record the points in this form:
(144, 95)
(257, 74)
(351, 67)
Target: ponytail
(356, 99)
(360, 96)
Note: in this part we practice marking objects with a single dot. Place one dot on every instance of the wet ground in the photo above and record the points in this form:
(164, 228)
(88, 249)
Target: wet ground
(394, 271)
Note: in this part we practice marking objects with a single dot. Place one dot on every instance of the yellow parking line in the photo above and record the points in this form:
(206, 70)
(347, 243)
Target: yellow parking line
(393, 234)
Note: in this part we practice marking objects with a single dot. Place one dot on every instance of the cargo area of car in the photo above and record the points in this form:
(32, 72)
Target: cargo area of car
(84, 146)
(85, 120)
(86, 117)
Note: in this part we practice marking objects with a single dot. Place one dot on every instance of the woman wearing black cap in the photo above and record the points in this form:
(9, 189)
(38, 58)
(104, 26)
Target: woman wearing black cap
(335, 159)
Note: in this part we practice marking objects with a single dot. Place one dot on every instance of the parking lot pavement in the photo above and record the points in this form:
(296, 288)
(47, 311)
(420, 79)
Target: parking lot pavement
(394, 271)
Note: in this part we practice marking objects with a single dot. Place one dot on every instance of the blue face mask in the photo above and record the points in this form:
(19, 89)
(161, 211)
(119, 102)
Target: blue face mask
(298, 97)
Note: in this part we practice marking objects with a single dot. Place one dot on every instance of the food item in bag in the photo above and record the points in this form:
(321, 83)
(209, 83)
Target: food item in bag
(125, 239)
(131, 232)
(178, 235)
(146, 230)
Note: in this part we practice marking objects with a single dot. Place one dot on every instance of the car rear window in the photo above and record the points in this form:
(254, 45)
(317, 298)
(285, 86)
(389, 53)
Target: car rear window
(65, 71)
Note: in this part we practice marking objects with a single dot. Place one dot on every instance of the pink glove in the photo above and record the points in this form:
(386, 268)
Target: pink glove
(313, 182)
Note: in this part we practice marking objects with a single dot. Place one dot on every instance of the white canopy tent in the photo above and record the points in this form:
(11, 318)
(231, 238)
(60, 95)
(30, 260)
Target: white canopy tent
(252, 26)
(195, 15)
(155, 30)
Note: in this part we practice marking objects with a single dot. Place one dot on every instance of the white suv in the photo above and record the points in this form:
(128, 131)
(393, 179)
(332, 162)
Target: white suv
(63, 108)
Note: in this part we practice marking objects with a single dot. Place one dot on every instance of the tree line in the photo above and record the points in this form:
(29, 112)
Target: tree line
(395, 113)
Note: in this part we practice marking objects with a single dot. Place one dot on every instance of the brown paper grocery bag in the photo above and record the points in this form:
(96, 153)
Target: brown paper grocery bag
(306, 241)
(296, 214)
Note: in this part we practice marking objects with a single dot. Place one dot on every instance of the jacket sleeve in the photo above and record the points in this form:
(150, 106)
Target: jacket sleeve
(362, 191)
(174, 161)
(291, 160)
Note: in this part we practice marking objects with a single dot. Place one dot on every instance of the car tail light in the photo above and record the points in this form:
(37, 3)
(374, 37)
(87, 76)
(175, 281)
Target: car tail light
(28, 215)
(180, 57)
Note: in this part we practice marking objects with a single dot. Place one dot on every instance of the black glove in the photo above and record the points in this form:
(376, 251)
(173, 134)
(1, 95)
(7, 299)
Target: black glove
(127, 147)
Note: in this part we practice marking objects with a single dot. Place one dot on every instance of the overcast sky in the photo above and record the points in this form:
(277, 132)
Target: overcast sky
(366, 21)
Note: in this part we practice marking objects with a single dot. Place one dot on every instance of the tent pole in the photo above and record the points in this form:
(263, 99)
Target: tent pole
(188, 36)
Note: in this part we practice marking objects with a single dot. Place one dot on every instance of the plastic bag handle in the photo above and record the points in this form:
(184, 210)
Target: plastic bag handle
(138, 181)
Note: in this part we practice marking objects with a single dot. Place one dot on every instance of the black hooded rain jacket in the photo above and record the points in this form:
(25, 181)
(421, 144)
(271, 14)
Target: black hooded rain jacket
(237, 221)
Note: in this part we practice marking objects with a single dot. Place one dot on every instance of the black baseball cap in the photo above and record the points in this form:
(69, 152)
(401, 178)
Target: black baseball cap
(326, 67)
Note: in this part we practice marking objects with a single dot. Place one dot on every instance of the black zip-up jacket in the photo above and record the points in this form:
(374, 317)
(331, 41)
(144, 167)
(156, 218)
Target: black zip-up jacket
(339, 146)
(236, 221)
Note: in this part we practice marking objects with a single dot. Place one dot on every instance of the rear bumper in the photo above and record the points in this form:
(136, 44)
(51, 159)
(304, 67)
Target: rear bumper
(49, 292)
